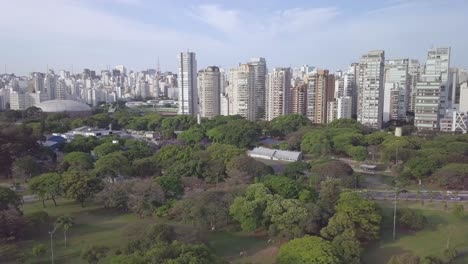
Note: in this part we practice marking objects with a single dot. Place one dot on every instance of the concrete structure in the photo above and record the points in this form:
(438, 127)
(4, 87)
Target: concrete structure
(299, 99)
(414, 72)
(187, 81)
(371, 89)
(344, 107)
(278, 96)
(332, 111)
(275, 154)
(242, 92)
(427, 103)
(397, 89)
(22, 100)
(350, 86)
(260, 72)
(209, 86)
(320, 91)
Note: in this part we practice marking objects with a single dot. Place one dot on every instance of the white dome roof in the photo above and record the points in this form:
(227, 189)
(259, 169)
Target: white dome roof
(58, 106)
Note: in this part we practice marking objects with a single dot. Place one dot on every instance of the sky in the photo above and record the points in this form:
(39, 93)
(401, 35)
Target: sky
(97, 34)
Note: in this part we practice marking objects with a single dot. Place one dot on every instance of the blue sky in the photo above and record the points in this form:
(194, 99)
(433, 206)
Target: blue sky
(326, 34)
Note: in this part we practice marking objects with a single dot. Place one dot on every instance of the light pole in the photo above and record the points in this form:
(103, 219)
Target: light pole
(394, 210)
(51, 233)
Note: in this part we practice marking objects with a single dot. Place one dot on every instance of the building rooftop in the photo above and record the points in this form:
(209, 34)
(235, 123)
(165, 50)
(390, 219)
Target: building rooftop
(57, 106)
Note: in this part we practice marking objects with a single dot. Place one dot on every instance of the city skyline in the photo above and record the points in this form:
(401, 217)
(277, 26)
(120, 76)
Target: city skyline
(136, 32)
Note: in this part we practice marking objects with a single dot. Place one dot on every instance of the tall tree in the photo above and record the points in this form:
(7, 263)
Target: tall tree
(308, 249)
(65, 222)
(47, 186)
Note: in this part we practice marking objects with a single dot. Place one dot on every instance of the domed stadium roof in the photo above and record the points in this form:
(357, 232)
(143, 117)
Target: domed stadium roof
(58, 106)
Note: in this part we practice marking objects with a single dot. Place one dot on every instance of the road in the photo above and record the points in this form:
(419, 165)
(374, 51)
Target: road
(414, 196)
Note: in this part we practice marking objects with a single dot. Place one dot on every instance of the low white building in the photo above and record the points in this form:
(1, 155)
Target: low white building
(275, 154)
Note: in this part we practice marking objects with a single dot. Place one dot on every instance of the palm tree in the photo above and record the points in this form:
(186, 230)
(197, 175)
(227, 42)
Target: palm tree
(65, 222)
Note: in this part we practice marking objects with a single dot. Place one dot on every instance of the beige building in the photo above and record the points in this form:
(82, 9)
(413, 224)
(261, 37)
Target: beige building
(320, 91)
(299, 99)
(278, 93)
(242, 92)
(209, 92)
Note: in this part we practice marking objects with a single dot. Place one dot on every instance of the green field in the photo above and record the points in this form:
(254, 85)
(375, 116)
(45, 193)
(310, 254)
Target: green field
(430, 241)
(98, 226)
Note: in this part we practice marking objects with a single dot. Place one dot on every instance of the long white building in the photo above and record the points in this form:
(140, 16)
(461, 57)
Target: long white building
(396, 95)
(278, 96)
(187, 81)
(371, 89)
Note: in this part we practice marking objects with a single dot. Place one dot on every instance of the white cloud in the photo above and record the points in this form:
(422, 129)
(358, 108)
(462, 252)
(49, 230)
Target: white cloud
(225, 20)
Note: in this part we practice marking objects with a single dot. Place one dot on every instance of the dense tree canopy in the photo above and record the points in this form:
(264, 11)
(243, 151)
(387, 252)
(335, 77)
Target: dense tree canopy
(308, 249)
(285, 124)
(241, 133)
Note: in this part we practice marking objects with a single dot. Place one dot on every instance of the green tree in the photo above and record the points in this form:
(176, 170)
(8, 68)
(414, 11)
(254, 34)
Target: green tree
(308, 249)
(39, 250)
(65, 222)
(329, 194)
(172, 186)
(241, 133)
(317, 143)
(406, 258)
(81, 144)
(112, 165)
(145, 167)
(47, 186)
(286, 216)
(93, 254)
(248, 209)
(192, 136)
(77, 160)
(25, 167)
(285, 124)
(224, 152)
(347, 247)
(137, 149)
(411, 219)
(296, 170)
(105, 149)
(243, 169)
(9, 199)
(353, 212)
(283, 186)
(81, 185)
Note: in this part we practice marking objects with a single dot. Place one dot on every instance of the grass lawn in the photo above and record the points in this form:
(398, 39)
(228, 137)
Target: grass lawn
(93, 226)
(430, 241)
(98, 226)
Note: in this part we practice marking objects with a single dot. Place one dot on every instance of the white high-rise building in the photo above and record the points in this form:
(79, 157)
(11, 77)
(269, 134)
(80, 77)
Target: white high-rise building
(260, 75)
(209, 86)
(242, 92)
(434, 90)
(278, 94)
(371, 89)
(121, 69)
(396, 95)
(350, 86)
(187, 81)
(344, 107)
(414, 72)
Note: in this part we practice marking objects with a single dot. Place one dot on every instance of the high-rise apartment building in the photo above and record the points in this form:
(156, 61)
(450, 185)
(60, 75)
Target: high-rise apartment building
(320, 91)
(350, 86)
(299, 99)
(397, 90)
(187, 81)
(414, 72)
(242, 92)
(278, 95)
(371, 89)
(209, 86)
(433, 91)
(259, 82)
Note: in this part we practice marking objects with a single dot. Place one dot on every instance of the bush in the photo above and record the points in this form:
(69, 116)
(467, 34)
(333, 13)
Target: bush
(411, 219)
(39, 250)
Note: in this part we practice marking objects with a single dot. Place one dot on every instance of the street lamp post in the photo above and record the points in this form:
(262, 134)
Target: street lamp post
(394, 211)
(51, 233)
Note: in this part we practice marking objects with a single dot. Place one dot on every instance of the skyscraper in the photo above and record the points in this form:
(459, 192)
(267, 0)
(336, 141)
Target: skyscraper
(209, 83)
(320, 91)
(299, 99)
(396, 95)
(433, 90)
(350, 86)
(242, 92)
(187, 81)
(259, 83)
(278, 95)
(371, 89)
